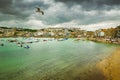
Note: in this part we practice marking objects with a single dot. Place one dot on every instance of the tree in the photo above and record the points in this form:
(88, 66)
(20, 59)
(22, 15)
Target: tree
(118, 32)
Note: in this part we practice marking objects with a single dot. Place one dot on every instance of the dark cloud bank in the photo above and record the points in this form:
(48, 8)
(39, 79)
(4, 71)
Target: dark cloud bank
(98, 2)
(92, 4)
(85, 12)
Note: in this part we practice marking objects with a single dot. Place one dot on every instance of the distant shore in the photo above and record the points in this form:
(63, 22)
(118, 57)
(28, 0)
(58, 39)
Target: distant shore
(110, 67)
(102, 40)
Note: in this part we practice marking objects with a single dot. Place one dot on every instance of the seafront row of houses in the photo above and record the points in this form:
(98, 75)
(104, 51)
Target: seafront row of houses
(46, 32)
(109, 33)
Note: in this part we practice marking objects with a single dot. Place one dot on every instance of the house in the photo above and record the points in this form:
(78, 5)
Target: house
(39, 33)
(99, 33)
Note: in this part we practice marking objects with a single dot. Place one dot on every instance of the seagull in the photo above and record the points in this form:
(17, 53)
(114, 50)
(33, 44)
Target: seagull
(40, 11)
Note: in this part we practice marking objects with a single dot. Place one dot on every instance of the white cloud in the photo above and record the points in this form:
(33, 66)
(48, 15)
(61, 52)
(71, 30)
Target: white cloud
(10, 23)
(35, 23)
(73, 23)
(112, 13)
(101, 25)
(89, 27)
(90, 13)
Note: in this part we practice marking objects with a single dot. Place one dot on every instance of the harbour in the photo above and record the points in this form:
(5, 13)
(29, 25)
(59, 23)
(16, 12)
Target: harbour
(52, 59)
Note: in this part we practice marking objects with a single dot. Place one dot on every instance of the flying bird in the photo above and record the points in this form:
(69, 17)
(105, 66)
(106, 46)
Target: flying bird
(39, 10)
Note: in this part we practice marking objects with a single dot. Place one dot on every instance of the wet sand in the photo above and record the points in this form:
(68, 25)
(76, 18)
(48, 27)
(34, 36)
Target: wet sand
(85, 74)
(110, 67)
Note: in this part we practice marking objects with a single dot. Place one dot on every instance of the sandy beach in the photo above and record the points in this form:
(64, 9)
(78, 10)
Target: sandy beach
(110, 67)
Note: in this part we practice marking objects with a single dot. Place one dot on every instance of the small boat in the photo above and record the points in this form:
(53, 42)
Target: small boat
(76, 39)
(65, 38)
(61, 39)
(27, 47)
(1, 44)
(31, 40)
(44, 40)
(12, 40)
(20, 45)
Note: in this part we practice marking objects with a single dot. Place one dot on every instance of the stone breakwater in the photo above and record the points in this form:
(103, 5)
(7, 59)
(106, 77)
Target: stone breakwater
(110, 67)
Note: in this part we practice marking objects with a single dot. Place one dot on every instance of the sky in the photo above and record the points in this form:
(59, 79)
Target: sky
(85, 14)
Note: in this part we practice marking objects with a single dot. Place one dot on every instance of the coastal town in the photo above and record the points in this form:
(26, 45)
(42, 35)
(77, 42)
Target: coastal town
(110, 35)
(59, 39)
(53, 41)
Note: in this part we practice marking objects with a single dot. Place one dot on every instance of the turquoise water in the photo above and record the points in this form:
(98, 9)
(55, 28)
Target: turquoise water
(50, 60)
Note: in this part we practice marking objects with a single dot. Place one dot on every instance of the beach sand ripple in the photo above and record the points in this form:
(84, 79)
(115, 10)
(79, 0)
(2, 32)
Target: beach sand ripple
(110, 67)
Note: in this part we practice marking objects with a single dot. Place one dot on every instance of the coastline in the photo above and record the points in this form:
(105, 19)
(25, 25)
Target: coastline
(102, 40)
(101, 72)
(110, 67)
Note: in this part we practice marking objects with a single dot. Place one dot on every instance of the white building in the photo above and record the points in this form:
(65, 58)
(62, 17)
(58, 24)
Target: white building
(39, 33)
(51, 33)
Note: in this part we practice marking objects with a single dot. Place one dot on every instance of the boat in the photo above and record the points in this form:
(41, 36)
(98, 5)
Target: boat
(44, 40)
(31, 40)
(76, 39)
(1, 44)
(60, 39)
(65, 38)
(27, 46)
(12, 40)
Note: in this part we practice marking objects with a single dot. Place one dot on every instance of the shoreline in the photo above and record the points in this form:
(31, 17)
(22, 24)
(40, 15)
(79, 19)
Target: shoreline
(101, 40)
(102, 70)
(110, 67)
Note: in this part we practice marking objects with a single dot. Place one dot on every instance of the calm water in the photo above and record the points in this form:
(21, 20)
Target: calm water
(50, 60)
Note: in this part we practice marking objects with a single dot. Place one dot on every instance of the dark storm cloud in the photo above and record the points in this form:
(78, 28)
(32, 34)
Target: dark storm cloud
(80, 12)
(5, 3)
(32, 4)
(101, 2)
(92, 4)
(6, 7)
(20, 8)
(27, 8)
